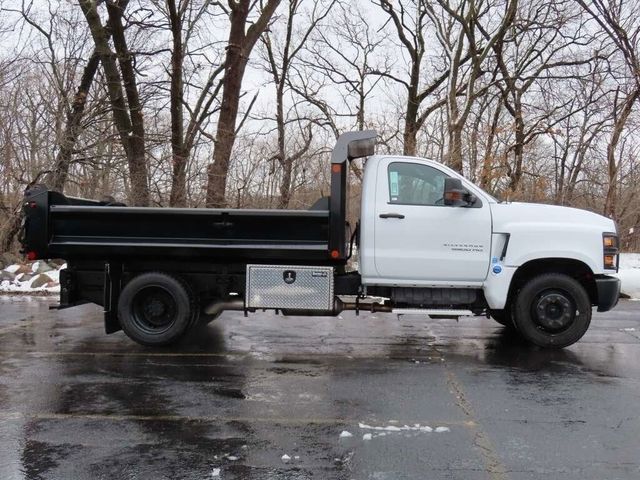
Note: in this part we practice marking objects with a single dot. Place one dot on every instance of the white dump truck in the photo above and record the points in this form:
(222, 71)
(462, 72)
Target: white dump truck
(429, 242)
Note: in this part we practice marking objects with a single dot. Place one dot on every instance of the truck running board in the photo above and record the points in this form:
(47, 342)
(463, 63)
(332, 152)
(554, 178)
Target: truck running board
(433, 312)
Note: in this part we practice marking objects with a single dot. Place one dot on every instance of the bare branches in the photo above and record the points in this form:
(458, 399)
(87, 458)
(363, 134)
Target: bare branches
(620, 24)
(535, 99)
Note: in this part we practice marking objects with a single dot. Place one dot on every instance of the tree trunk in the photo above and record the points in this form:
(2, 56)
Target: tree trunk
(137, 164)
(132, 139)
(518, 148)
(285, 162)
(225, 134)
(179, 155)
(58, 177)
(285, 186)
(487, 161)
(239, 47)
(411, 116)
(610, 203)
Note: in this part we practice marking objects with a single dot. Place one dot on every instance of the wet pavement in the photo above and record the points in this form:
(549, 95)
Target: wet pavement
(239, 394)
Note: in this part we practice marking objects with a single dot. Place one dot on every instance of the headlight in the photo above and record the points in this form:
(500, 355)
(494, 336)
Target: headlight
(610, 250)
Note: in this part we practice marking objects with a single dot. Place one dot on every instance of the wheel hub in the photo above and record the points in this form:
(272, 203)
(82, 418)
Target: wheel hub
(154, 309)
(554, 311)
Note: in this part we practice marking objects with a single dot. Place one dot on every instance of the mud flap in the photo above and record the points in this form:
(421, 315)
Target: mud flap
(112, 287)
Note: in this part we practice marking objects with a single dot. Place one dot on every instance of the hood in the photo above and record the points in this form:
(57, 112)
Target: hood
(506, 214)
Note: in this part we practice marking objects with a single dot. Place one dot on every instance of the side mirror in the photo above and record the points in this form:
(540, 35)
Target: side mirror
(455, 195)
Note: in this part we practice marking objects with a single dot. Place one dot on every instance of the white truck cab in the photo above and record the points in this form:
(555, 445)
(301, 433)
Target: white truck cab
(538, 267)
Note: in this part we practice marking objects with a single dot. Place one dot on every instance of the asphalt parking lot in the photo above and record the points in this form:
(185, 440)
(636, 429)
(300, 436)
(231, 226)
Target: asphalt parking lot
(421, 399)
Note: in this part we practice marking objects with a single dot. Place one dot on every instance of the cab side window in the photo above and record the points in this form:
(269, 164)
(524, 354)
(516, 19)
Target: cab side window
(415, 184)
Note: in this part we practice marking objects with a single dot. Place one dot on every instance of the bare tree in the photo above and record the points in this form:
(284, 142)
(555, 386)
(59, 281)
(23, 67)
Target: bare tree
(279, 58)
(239, 47)
(410, 23)
(343, 56)
(577, 135)
(58, 44)
(127, 115)
(465, 32)
(540, 45)
(184, 17)
(619, 22)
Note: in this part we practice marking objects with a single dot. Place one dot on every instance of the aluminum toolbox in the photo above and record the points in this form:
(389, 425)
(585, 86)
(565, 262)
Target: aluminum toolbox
(289, 287)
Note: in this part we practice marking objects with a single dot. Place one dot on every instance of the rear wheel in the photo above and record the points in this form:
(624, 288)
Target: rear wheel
(155, 309)
(552, 310)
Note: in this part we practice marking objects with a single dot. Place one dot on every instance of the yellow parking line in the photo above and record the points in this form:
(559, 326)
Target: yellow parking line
(495, 467)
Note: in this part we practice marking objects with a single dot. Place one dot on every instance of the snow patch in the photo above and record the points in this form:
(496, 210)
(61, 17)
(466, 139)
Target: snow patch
(285, 458)
(215, 472)
(23, 282)
(346, 434)
(405, 428)
(629, 274)
(367, 436)
(54, 275)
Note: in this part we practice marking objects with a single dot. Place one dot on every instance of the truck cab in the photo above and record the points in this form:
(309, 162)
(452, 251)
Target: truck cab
(417, 238)
(430, 242)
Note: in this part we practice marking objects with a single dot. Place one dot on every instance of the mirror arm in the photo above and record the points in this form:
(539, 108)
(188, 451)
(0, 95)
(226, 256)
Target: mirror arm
(471, 199)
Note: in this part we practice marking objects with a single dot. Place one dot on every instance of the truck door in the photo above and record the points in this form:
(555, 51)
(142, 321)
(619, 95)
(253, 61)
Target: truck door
(420, 240)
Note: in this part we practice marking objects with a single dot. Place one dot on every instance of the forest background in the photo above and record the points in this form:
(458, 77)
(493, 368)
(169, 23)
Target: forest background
(194, 103)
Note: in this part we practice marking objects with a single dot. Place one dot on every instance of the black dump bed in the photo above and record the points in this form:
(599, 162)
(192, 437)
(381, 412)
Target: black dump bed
(57, 226)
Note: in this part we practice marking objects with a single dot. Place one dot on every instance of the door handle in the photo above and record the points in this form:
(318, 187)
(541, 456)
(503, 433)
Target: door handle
(392, 215)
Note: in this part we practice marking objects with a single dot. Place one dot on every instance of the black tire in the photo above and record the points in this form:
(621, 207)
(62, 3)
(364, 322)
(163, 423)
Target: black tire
(156, 309)
(195, 306)
(552, 310)
(503, 317)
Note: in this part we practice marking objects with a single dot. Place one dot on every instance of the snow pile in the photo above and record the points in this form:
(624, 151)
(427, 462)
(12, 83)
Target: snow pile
(629, 274)
(37, 277)
(392, 429)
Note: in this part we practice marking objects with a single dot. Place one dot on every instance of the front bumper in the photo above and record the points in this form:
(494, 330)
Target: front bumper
(608, 292)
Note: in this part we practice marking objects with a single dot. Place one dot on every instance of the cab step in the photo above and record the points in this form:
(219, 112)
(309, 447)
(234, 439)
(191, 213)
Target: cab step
(433, 312)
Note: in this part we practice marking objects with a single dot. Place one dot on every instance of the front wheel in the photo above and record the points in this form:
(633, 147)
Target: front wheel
(552, 310)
